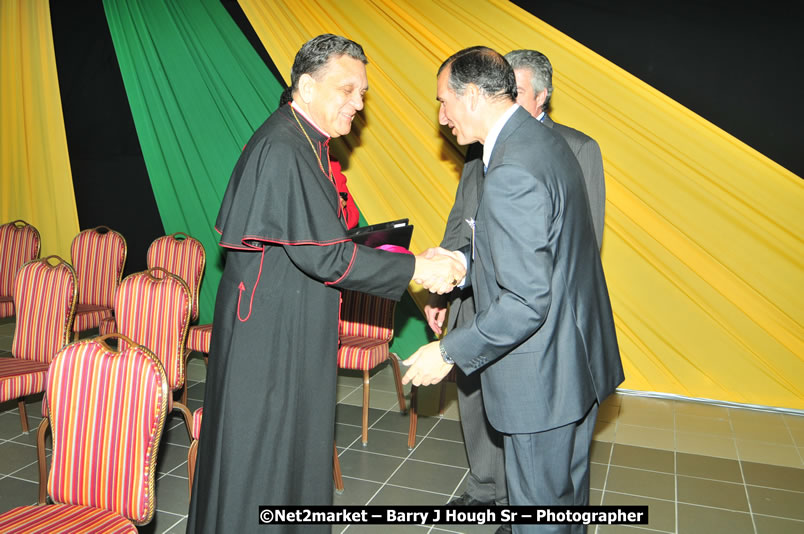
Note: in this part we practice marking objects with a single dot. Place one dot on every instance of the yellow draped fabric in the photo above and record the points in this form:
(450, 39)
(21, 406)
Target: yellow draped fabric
(35, 179)
(703, 240)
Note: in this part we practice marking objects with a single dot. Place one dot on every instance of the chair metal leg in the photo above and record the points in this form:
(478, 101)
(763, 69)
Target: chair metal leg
(336, 471)
(365, 406)
(191, 454)
(184, 387)
(188, 417)
(400, 392)
(40, 456)
(23, 414)
(414, 417)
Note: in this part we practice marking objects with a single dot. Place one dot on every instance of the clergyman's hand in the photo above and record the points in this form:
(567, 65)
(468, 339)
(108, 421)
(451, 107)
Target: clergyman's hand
(439, 270)
(426, 366)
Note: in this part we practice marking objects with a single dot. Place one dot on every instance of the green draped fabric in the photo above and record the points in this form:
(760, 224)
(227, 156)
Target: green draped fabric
(197, 91)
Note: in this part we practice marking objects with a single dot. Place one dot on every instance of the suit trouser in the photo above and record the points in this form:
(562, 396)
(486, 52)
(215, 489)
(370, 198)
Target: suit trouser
(484, 444)
(551, 468)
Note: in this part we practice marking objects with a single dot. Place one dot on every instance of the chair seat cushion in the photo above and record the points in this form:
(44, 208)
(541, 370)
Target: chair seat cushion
(6, 307)
(197, 416)
(361, 353)
(198, 338)
(89, 316)
(63, 518)
(21, 377)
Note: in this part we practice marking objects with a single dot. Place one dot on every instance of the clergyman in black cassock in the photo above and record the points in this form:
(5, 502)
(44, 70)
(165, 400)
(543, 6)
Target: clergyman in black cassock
(269, 407)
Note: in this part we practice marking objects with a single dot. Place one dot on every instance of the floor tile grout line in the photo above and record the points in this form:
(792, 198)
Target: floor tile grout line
(742, 475)
(410, 453)
(675, 466)
(406, 457)
(174, 525)
(780, 517)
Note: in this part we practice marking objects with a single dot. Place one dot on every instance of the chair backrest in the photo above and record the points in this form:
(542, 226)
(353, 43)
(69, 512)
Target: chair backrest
(183, 256)
(366, 316)
(98, 255)
(153, 309)
(19, 244)
(45, 299)
(107, 409)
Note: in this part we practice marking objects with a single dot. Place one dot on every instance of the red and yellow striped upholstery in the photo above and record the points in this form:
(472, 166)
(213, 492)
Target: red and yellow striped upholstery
(365, 330)
(107, 326)
(63, 518)
(183, 256)
(366, 327)
(106, 410)
(98, 256)
(19, 378)
(45, 298)
(153, 309)
(193, 450)
(19, 243)
(198, 415)
(198, 338)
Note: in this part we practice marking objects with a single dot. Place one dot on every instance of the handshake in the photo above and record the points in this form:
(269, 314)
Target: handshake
(439, 270)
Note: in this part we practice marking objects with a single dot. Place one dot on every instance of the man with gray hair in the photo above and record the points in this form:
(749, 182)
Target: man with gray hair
(486, 482)
(534, 83)
(269, 403)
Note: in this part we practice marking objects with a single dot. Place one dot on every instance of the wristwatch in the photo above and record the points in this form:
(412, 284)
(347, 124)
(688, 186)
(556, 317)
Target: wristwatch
(444, 355)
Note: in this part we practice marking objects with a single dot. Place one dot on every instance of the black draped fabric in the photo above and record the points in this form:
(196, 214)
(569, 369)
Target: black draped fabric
(269, 406)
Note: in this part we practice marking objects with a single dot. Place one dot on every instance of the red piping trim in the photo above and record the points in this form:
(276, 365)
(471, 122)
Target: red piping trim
(348, 268)
(241, 288)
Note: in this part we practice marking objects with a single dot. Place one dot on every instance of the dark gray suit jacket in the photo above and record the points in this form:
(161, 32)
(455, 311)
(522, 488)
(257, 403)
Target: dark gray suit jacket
(544, 331)
(587, 152)
(457, 233)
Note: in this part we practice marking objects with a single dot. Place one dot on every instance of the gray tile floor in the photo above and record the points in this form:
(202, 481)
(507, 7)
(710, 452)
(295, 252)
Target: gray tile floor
(700, 468)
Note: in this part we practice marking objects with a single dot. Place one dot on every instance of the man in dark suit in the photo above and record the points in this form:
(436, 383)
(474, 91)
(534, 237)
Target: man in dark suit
(484, 445)
(544, 334)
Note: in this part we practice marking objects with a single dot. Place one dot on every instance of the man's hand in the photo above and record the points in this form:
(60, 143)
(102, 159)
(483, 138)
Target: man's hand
(439, 270)
(436, 311)
(426, 366)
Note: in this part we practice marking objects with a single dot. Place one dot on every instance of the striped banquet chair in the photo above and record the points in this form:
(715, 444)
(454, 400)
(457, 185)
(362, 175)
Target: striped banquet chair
(106, 412)
(153, 309)
(185, 257)
(19, 243)
(98, 256)
(178, 254)
(45, 299)
(365, 331)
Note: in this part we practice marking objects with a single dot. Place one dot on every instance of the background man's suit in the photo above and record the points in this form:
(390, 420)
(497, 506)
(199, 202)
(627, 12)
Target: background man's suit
(587, 152)
(543, 334)
(484, 445)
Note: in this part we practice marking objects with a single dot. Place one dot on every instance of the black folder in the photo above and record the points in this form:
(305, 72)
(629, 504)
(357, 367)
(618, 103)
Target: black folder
(397, 233)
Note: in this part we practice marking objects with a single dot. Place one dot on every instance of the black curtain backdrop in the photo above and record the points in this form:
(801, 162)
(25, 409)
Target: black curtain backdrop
(736, 64)
(109, 176)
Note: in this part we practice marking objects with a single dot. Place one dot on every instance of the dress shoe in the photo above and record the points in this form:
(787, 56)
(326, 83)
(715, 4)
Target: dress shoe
(503, 529)
(467, 500)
